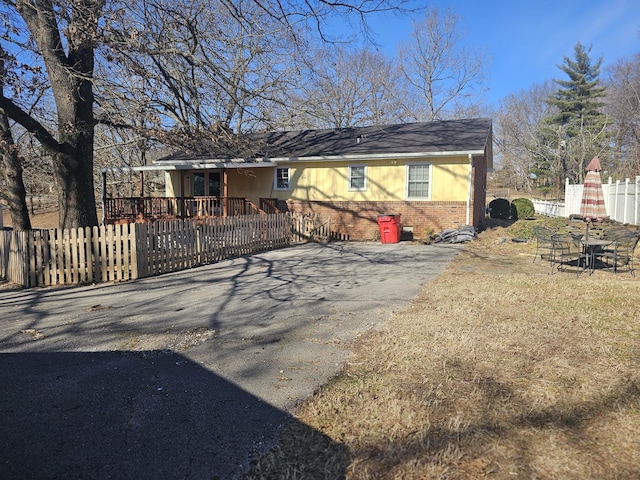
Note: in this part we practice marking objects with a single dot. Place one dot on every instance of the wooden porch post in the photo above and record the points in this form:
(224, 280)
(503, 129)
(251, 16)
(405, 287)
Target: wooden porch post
(180, 199)
(225, 191)
(141, 184)
(140, 197)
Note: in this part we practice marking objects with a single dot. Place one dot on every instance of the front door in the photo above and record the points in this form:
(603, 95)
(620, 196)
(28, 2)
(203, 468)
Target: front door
(214, 184)
(206, 184)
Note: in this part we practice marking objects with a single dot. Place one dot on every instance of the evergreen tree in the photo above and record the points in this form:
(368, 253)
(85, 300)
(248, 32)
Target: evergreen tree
(578, 130)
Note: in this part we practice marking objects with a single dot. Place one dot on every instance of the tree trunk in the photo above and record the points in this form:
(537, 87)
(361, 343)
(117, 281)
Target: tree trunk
(11, 169)
(15, 194)
(70, 75)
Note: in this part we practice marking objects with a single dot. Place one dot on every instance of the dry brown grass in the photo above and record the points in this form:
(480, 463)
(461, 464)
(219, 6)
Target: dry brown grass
(498, 370)
(41, 219)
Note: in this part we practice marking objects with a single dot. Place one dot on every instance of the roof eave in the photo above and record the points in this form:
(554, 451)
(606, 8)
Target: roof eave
(209, 163)
(376, 156)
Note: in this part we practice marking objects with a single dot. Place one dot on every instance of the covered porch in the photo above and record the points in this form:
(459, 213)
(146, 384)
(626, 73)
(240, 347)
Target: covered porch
(189, 193)
(146, 209)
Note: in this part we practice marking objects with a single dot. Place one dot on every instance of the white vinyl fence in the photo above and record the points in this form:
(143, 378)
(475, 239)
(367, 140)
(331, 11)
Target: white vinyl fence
(621, 199)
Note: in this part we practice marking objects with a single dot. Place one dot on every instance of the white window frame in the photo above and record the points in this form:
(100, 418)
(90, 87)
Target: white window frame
(275, 179)
(429, 182)
(350, 178)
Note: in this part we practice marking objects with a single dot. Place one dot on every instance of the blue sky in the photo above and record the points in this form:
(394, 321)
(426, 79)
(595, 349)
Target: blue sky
(526, 41)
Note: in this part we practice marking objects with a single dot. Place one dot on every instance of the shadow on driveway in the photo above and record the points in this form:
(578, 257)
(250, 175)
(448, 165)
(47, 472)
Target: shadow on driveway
(127, 415)
(189, 374)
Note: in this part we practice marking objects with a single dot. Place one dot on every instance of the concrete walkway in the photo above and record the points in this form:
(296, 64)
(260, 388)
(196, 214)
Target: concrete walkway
(190, 374)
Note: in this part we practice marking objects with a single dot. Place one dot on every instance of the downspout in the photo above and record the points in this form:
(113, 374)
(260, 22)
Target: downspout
(470, 192)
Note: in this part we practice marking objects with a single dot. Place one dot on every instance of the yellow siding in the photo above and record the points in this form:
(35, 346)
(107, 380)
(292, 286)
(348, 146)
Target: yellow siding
(450, 180)
(172, 184)
(386, 180)
(251, 183)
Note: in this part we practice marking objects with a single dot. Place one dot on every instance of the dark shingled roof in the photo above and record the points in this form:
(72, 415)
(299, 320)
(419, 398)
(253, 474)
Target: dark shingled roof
(464, 136)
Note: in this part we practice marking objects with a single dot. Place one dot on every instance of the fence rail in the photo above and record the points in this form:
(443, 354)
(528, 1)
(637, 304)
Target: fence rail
(134, 250)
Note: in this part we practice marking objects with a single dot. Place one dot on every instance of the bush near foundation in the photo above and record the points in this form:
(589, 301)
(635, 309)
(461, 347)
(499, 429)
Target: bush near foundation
(523, 208)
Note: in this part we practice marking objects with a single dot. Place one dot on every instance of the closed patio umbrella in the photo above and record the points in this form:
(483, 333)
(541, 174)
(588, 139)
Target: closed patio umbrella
(592, 207)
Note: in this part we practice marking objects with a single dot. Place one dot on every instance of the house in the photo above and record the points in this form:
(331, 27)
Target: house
(431, 174)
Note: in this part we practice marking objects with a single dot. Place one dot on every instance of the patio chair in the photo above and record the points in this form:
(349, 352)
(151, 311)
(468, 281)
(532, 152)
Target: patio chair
(544, 244)
(621, 251)
(566, 248)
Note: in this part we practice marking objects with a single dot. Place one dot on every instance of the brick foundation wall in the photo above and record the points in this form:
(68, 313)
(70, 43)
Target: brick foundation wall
(358, 220)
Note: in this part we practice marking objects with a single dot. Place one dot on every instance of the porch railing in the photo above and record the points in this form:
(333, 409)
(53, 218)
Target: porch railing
(269, 205)
(130, 209)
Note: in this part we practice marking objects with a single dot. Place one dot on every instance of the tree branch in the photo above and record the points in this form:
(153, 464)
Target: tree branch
(18, 115)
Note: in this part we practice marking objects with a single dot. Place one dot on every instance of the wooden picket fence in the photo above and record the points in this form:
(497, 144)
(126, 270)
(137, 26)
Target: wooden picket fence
(310, 227)
(134, 250)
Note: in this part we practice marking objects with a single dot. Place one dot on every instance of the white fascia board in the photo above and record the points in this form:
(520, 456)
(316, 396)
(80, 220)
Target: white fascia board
(270, 162)
(210, 164)
(376, 156)
(141, 168)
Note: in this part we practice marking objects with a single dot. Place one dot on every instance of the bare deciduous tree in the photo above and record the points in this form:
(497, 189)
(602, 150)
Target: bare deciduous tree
(344, 88)
(11, 166)
(518, 121)
(63, 36)
(623, 105)
(446, 73)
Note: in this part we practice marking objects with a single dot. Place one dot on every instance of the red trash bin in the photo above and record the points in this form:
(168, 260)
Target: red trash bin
(389, 228)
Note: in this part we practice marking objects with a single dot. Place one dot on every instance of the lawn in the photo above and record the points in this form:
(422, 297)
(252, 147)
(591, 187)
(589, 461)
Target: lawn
(498, 369)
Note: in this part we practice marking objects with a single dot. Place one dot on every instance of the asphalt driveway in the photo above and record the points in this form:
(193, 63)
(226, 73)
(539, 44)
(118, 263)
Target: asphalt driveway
(190, 374)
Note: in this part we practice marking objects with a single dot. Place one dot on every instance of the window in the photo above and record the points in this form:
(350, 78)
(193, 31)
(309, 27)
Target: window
(282, 178)
(358, 177)
(418, 179)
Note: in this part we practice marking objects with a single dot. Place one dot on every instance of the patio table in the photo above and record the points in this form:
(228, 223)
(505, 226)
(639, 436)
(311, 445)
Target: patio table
(590, 246)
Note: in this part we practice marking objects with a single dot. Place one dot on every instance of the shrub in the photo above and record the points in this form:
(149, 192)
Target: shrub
(524, 229)
(523, 208)
(499, 208)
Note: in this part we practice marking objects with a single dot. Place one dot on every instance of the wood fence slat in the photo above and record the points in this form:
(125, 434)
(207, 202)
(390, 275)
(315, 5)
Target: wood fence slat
(95, 254)
(133, 264)
(74, 257)
(118, 256)
(142, 252)
(86, 254)
(43, 256)
(36, 271)
(154, 247)
(66, 257)
(158, 246)
(57, 256)
(81, 264)
(126, 253)
(105, 252)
